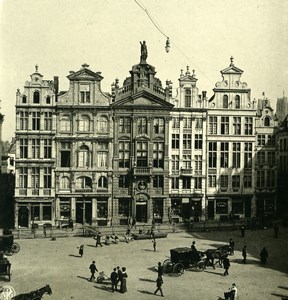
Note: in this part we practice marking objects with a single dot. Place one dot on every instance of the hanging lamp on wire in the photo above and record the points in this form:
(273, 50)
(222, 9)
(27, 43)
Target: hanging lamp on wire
(167, 47)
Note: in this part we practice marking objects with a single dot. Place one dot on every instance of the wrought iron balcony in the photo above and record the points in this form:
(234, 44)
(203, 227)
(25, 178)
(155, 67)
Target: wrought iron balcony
(142, 171)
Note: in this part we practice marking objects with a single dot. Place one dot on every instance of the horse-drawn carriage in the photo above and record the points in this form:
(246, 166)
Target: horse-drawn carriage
(183, 258)
(7, 245)
(5, 268)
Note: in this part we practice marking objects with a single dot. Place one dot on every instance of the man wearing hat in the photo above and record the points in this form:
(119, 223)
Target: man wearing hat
(93, 269)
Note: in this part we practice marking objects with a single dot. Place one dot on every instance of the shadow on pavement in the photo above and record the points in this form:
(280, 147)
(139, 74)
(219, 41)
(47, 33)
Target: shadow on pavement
(283, 287)
(154, 269)
(91, 246)
(146, 292)
(73, 255)
(104, 288)
(85, 278)
(145, 279)
(149, 250)
(213, 273)
(280, 295)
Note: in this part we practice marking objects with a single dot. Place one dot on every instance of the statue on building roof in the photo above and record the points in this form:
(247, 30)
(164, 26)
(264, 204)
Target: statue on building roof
(144, 52)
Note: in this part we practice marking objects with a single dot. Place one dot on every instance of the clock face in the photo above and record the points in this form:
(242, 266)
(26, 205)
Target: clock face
(142, 185)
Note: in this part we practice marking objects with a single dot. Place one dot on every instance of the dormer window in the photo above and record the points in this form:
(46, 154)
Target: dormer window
(24, 99)
(187, 98)
(36, 97)
(225, 101)
(84, 93)
(237, 101)
(48, 100)
(267, 121)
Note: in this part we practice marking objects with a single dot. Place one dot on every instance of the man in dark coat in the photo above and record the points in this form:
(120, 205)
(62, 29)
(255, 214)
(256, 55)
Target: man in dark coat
(160, 269)
(264, 255)
(93, 269)
(242, 231)
(114, 278)
(244, 254)
(226, 265)
(159, 282)
(98, 239)
(120, 276)
(232, 245)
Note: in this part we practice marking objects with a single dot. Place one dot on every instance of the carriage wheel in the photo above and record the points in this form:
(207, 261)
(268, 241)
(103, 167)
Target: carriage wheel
(200, 266)
(8, 252)
(178, 269)
(167, 266)
(15, 248)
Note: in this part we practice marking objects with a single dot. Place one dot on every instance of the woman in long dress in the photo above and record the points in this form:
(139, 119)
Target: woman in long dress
(123, 282)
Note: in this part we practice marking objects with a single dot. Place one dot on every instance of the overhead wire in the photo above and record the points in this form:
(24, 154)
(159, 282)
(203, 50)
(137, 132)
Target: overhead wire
(140, 4)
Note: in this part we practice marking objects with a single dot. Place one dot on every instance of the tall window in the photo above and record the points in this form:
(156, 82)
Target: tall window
(198, 141)
(198, 183)
(23, 148)
(158, 155)
(48, 100)
(142, 125)
(84, 93)
(224, 181)
(267, 121)
(212, 125)
(65, 183)
(175, 141)
(237, 125)
(247, 181)
(188, 97)
(175, 183)
(23, 120)
(212, 146)
(83, 157)
(84, 123)
(248, 155)
(212, 181)
(65, 124)
(158, 125)
(124, 125)
(47, 178)
(47, 148)
(261, 157)
(235, 181)
(187, 122)
(35, 177)
(187, 162)
(224, 125)
(124, 181)
(198, 123)
(224, 155)
(186, 183)
(198, 164)
(24, 99)
(175, 122)
(186, 141)
(36, 97)
(260, 178)
(35, 148)
(65, 153)
(35, 120)
(261, 139)
(23, 177)
(142, 154)
(237, 101)
(270, 178)
(103, 182)
(271, 140)
(271, 158)
(248, 126)
(236, 155)
(124, 154)
(102, 153)
(103, 124)
(47, 120)
(158, 181)
(175, 162)
(225, 101)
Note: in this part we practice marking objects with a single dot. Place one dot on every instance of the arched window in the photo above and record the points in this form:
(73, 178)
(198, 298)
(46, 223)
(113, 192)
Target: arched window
(36, 97)
(103, 124)
(225, 101)
(84, 183)
(267, 121)
(48, 99)
(103, 182)
(65, 183)
(84, 123)
(65, 124)
(237, 101)
(187, 98)
(83, 157)
(24, 99)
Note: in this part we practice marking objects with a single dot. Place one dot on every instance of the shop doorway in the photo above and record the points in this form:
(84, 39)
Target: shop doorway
(23, 216)
(211, 210)
(84, 212)
(141, 212)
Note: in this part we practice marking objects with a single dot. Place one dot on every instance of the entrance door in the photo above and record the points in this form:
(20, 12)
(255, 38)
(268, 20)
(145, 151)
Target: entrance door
(88, 213)
(141, 212)
(79, 212)
(23, 216)
(211, 210)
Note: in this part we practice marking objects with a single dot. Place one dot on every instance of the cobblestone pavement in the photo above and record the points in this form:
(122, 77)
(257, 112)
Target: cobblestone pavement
(42, 261)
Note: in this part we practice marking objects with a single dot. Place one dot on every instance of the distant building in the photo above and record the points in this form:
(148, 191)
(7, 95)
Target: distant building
(282, 108)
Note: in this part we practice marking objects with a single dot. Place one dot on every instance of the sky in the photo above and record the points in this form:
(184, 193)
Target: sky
(61, 35)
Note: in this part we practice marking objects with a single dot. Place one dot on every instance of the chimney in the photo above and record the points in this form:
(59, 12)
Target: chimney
(56, 87)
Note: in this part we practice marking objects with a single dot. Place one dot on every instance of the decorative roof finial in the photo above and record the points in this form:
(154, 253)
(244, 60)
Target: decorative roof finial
(36, 68)
(187, 72)
(85, 66)
(193, 73)
(181, 73)
(231, 60)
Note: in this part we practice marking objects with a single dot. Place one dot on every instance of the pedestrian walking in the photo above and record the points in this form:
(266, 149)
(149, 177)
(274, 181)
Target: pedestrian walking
(114, 278)
(119, 279)
(264, 255)
(231, 293)
(276, 231)
(44, 230)
(81, 250)
(232, 245)
(93, 269)
(98, 239)
(159, 282)
(242, 231)
(244, 254)
(160, 269)
(154, 244)
(124, 281)
(226, 265)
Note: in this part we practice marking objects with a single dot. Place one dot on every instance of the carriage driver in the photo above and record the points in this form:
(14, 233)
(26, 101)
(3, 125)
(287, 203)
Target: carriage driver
(2, 256)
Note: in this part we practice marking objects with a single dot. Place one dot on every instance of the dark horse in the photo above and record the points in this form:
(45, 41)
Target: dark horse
(34, 295)
(212, 255)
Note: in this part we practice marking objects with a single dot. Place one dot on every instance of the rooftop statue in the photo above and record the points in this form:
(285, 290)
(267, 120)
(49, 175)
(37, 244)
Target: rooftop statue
(144, 52)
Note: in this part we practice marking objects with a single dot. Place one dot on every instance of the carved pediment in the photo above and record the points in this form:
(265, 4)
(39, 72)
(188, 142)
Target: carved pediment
(85, 75)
